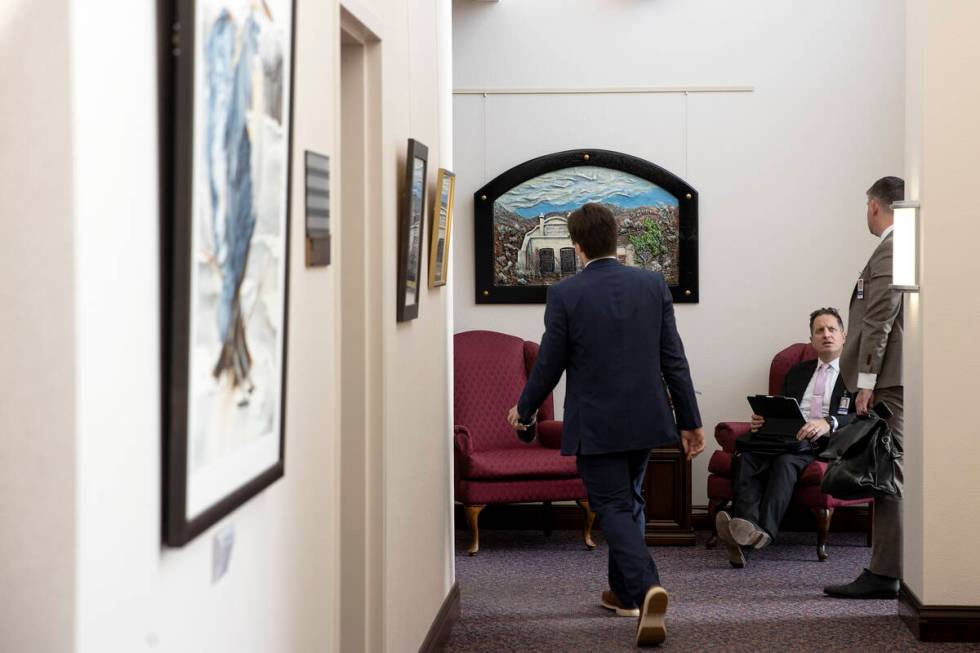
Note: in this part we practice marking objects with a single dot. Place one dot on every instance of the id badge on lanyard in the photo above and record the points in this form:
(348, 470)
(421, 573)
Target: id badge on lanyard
(860, 290)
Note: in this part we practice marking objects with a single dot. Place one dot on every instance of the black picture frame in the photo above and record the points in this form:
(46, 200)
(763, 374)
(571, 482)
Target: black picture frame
(684, 291)
(411, 230)
(181, 190)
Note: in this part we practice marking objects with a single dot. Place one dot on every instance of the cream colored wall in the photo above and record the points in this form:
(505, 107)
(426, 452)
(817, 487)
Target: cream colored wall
(281, 589)
(37, 302)
(417, 457)
(80, 404)
(913, 545)
(941, 364)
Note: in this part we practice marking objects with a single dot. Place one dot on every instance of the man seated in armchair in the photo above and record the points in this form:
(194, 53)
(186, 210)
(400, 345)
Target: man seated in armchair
(763, 483)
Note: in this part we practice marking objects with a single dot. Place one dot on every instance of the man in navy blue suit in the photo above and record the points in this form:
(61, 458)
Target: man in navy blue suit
(611, 328)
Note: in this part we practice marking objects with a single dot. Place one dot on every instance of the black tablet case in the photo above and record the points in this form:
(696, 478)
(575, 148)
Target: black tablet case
(777, 436)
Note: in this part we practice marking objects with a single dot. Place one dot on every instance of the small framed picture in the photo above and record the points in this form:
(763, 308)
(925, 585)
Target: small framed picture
(410, 231)
(442, 226)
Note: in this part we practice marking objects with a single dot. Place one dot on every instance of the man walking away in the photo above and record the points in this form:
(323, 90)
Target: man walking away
(611, 329)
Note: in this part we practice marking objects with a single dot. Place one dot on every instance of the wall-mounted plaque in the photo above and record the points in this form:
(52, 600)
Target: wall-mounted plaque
(317, 210)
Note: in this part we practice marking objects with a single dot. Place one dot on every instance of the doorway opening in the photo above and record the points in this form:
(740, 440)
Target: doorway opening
(361, 477)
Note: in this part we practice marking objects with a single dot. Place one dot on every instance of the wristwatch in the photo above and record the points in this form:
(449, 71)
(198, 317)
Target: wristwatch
(832, 421)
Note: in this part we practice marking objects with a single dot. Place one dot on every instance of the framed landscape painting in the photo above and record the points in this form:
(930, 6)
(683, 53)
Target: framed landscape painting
(522, 240)
(410, 231)
(225, 236)
(442, 226)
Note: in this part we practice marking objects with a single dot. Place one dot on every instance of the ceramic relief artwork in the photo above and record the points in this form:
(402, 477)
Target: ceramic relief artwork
(521, 240)
(531, 241)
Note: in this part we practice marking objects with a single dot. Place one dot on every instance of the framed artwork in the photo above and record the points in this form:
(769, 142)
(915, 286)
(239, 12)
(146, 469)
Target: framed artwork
(410, 231)
(521, 232)
(442, 226)
(225, 238)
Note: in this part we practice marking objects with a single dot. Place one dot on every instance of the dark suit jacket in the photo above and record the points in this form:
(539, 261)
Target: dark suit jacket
(875, 324)
(798, 378)
(611, 327)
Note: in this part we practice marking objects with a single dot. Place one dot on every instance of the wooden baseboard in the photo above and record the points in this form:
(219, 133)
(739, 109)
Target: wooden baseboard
(701, 519)
(938, 623)
(670, 536)
(442, 625)
(568, 517)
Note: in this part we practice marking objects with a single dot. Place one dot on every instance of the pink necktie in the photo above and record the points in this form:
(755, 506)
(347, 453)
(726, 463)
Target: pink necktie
(819, 387)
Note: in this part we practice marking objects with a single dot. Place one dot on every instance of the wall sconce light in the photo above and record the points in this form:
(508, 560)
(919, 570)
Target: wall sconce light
(905, 253)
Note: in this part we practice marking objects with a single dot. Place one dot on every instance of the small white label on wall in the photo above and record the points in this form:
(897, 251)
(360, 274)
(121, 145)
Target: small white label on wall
(224, 539)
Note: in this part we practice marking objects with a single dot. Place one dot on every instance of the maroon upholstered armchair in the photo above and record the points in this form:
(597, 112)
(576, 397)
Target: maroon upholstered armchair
(491, 465)
(807, 494)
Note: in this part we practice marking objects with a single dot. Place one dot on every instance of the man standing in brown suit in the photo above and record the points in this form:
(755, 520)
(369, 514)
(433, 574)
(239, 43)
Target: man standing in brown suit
(871, 365)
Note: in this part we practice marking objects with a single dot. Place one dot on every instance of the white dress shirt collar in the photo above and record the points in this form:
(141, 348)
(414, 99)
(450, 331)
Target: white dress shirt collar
(888, 230)
(834, 364)
(595, 259)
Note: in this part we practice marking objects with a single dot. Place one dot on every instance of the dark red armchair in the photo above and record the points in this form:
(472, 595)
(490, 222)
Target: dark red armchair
(491, 465)
(807, 494)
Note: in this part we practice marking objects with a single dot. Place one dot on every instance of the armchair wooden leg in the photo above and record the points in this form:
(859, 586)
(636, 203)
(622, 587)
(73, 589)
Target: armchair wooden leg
(714, 506)
(871, 523)
(548, 519)
(473, 521)
(823, 515)
(589, 520)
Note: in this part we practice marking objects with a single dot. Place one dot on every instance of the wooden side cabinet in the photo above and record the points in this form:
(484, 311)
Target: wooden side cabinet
(667, 490)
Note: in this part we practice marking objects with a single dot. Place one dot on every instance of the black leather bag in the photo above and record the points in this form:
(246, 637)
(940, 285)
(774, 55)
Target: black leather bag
(863, 459)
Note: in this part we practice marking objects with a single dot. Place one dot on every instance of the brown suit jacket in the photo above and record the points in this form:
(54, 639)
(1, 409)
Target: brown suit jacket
(874, 334)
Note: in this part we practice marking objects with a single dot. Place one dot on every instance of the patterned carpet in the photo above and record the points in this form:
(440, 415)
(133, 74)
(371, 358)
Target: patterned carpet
(527, 593)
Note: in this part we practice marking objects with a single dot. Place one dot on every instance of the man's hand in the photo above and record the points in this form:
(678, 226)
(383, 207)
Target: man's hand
(813, 429)
(693, 442)
(757, 422)
(515, 419)
(864, 400)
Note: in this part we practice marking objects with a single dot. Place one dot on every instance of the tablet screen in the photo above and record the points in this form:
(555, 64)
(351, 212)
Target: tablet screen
(776, 407)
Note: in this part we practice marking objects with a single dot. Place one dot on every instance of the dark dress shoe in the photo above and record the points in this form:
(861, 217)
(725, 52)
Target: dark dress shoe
(867, 586)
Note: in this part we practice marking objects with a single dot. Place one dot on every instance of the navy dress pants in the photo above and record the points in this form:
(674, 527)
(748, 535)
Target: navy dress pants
(614, 483)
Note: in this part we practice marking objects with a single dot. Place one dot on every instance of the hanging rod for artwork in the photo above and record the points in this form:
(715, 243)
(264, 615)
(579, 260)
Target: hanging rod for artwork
(604, 91)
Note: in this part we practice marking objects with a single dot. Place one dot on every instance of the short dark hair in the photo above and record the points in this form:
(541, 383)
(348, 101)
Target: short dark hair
(887, 190)
(594, 229)
(829, 310)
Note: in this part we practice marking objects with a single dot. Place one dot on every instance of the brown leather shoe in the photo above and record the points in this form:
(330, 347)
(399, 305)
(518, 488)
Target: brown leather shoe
(736, 557)
(651, 630)
(747, 533)
(611, 602)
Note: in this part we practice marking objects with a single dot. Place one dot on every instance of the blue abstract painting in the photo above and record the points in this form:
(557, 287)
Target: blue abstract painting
(239, 240)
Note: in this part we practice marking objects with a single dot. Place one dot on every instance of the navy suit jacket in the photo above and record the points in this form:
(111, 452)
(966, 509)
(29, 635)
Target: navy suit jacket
(611, 328)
